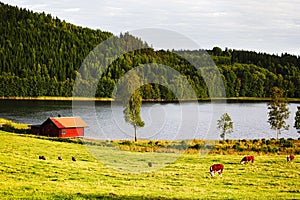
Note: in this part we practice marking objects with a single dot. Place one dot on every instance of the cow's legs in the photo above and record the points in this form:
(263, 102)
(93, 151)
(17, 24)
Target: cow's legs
(220, 173)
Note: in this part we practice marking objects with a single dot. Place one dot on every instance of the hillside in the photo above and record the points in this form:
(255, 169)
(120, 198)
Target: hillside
(40, 56)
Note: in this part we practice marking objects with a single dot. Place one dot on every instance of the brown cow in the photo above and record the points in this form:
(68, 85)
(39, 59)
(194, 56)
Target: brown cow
(59, 158)
(73, 158)
(247, 159)
(42, 158)
(290, 158)
(216, 168)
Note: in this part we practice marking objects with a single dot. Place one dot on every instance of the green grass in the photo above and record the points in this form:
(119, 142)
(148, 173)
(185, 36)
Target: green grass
(13, 124)
(94, 174)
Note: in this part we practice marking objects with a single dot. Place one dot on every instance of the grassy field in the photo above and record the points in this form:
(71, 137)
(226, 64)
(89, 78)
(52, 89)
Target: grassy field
(24, 176)
(14, 125)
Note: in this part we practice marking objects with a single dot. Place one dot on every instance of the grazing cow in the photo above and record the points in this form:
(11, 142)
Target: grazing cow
(290, 158)
(247, 159)
(42, 158)
(149, 164)
(73, 158)
(216, 168)
(59, 158)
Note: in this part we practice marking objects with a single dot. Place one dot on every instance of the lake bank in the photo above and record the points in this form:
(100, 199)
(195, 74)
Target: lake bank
(254, 146)
(229, 100)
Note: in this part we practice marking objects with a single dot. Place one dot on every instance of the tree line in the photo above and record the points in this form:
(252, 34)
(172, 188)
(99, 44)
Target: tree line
(41, 56)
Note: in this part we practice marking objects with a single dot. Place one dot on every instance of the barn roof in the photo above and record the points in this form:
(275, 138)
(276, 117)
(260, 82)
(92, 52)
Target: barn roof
(68, 122)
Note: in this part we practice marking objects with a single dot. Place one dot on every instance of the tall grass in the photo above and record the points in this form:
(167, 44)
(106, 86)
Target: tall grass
(256, 146)
(10, 126)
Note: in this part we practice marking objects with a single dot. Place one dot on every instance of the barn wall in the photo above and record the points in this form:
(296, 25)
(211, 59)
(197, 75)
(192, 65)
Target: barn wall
(35, 130)
(71, 132)
(49, 129)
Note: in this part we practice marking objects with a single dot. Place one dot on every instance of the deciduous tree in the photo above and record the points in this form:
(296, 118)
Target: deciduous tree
(132, 111)
(225, 124)
(278, 111)
(297, 120)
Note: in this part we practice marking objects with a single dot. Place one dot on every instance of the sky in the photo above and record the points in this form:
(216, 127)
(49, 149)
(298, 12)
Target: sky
(271, 26)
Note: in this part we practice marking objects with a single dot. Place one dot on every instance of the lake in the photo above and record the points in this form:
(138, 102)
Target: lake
(162, 120)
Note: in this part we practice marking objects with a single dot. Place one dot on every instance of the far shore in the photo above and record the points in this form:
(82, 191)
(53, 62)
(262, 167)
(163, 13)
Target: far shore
(213, 99)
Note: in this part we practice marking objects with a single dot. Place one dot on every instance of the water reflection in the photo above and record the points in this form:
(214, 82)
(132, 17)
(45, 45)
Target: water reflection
(162, 121)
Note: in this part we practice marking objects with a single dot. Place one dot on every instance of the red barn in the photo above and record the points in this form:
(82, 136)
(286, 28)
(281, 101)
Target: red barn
(63, 127)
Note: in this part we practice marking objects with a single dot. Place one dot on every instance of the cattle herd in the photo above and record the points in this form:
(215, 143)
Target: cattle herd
(42, 158)
(220, 167)
(59, 158)
(215, 168)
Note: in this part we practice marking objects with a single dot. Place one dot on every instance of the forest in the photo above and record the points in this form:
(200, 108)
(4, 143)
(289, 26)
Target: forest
(41, 55)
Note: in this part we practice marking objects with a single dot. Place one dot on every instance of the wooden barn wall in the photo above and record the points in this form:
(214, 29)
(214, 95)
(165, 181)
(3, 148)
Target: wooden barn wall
(50, 130)
(71, 132)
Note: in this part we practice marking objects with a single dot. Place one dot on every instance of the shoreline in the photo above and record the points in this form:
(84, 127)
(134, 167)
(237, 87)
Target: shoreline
(229, 100)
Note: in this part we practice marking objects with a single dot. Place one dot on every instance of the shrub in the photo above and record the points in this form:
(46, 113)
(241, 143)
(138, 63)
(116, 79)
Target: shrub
(108, 144)
(160, 144)
(274, 150)
(8, 128)
(225, 148)
(196, 146)
(288, 144)
(181, 146)
(254, 149)
(281, 149)
(264, 149)
(208, 147)
(183, 142)
(269, 149)
(254, 141)
(13, 129)
(282, 140)
(236, 145)
(126, 142)
(241, 149)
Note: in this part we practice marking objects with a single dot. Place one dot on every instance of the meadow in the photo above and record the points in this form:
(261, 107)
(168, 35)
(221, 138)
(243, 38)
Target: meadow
(24, 176)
